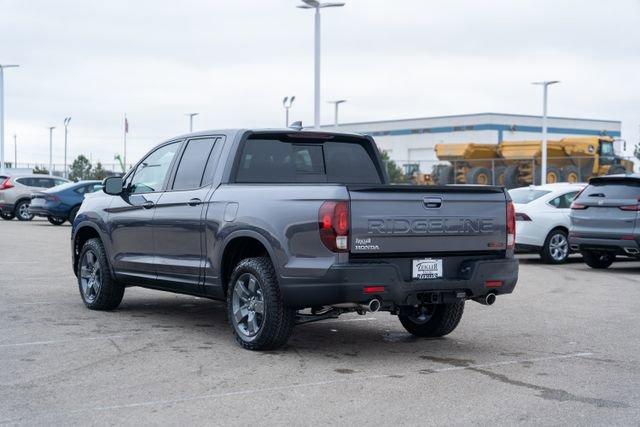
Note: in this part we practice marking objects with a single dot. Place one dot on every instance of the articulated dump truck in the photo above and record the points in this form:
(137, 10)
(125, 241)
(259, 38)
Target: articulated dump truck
(518, 163)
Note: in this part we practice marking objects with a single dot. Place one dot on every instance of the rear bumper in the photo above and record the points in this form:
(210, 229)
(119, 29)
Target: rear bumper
(346, 283)
(44, 211)
(7, 207)
(618, 246)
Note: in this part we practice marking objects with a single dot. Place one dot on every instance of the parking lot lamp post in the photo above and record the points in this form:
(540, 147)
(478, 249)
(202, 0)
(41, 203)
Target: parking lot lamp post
(191, 116)
(66, 125)
(543, 154)
(314, 4)
(51, 128)
(2, 67)
(335, 111)
(287, 104)
(15, 151)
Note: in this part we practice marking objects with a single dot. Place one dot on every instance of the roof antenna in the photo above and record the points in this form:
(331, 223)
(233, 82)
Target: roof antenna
(296, 125)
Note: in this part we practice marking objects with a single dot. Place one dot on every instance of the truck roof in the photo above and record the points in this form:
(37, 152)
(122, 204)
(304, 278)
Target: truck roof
(233, 132)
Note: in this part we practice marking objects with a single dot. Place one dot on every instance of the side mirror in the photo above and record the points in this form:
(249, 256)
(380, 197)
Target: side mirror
(113, 185)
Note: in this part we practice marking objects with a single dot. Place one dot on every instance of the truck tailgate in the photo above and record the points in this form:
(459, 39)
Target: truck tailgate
(396, 219)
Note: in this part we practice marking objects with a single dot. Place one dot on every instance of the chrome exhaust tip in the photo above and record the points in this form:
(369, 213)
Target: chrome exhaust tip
(632, 251)
(488, 299)
(374, 305)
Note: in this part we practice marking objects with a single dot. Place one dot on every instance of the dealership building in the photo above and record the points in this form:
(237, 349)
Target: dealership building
(412, 141)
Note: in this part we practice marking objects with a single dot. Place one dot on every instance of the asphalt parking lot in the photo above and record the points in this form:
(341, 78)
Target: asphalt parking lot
(564, 349)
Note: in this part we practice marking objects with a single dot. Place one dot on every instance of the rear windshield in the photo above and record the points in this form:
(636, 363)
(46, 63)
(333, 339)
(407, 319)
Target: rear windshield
(526, 195)
(313, 161)
(612, 190)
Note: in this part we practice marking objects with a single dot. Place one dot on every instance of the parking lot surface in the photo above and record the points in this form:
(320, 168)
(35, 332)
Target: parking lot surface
(563, 349)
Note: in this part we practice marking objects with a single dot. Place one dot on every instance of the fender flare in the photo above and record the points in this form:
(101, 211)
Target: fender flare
(247, 233)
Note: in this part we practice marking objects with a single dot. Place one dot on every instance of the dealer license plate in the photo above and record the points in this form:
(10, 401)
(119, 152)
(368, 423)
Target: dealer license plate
(428, 268)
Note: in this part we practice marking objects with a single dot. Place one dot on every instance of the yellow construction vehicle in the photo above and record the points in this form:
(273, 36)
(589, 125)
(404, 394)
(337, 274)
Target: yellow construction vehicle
(517, 163)
(470, 163)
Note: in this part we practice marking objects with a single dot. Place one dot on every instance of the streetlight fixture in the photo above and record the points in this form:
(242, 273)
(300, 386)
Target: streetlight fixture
(191, 116)
(2, 67)
(287, 103)
(51, 128)
(66, 125)
(335, 111)
(543, 166)
(314, 4)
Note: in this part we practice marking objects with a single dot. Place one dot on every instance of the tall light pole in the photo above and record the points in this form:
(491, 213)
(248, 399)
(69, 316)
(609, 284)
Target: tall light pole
(15, 151)
(66, 125)
(335, 111)
(287, 103)
(191, 116)
(2, 67)
(51, 128)
(314, 4)
(543, 155)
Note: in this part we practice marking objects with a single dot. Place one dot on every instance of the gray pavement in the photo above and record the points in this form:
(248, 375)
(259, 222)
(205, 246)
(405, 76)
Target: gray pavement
(564, 349)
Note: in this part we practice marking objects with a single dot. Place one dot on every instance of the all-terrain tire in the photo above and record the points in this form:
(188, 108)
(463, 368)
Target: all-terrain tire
(111, 292)
(571, 174)
(511, 177)
(443, 321)
(599, 260)
(277, 320)
(480, 176)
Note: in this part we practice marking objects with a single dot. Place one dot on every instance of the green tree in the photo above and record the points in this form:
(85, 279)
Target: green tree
(80, 168)
(40, 170)
(394, 171)
(99, 172)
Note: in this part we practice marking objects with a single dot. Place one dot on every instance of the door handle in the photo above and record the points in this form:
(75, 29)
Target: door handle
(148, 204)
(194, 202)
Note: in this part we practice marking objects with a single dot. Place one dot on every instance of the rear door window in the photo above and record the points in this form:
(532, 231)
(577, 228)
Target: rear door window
(193, 164)
(564, 201)
(282, 161)
(526, 195)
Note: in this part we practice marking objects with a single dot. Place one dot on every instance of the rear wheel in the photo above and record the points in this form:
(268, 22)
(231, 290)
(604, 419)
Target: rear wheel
(256, 310)
(598, 259)
(499, 174)
(480, 176)
(511, 177)
(571, 174)
(433, 320)
(22, 210)
(443, 174)
(8, 216)
(73, 214)
(56, 220)
(99, 291)
(556, 247)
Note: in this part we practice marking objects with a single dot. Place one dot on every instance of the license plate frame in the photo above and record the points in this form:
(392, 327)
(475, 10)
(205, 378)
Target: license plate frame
(426, 269)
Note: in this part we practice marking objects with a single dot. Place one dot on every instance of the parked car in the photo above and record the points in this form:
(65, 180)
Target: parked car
(16, 190)
(61, 203)
(542, 219)
(604, 220)
(279, 221)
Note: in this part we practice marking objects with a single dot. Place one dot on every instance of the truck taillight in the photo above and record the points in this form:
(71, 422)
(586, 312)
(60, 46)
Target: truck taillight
(511, 225)
(333, 219)
(6, 184)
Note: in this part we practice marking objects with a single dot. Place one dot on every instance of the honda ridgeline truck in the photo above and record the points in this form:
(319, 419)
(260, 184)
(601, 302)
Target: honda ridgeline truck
(291, 226)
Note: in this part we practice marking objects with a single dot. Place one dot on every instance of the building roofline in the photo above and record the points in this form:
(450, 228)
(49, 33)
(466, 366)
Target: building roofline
(474, 115)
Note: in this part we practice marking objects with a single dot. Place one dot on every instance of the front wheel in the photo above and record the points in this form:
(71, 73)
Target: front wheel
(99, 291)
(599, 260)
(257, 313)
(56, 220)
(433, 320)
(556, 248)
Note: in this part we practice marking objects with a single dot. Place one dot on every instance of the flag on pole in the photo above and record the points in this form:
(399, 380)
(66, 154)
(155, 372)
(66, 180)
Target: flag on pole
(126, 125)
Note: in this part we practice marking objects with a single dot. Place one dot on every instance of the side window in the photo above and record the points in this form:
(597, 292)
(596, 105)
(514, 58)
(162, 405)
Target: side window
(564, 201)
(191, 170)
(59, 181)
(81, 190)
(92, 188)
(152, 171)
(25, 181)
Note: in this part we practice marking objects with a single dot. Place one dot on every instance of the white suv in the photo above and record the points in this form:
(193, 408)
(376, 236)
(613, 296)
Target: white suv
(542, 219)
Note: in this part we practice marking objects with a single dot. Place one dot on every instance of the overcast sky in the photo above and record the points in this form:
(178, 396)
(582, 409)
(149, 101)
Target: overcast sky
(233, 61)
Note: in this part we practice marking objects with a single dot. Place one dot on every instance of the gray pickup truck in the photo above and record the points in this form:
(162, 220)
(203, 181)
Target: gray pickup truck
(291, 226)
